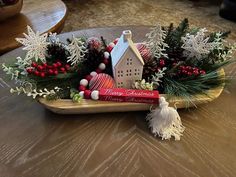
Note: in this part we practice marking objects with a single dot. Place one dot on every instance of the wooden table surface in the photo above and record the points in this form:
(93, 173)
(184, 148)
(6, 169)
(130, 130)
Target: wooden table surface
(36, 142)
(42, 16)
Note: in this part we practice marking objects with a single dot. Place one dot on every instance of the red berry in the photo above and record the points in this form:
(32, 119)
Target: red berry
(42, 74)
(55, 72)
(105, 61)
(195, 72)
(182, 67)
(49, 66)
(50, 71)
(82, 88)
(40, 67)
(58, 64)
(29, 70)
(162, 62)
(88, 77)
(202, 72)
(45, 65)
(34, 64)
(36, 73)
(189, 68)
(67, 67)
(54, 65)
(98, 70)
(63, 69)
(87, 94)
(184, 72)
(189, 73)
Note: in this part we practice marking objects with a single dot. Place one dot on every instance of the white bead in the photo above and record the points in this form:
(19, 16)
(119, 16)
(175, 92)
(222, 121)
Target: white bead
(95, 95)
(93, 73)
(112, 44)
(102, 66)
(81, 93)
(84, 82)
(106, 55)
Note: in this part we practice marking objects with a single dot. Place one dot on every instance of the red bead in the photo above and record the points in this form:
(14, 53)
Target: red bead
(184, 72)
(50, 71)
(98, 71)
(109, 49)
(63, 69)
(189, 73)
(55, 72)
(88, 77)
(34, 64)
(58, 64)
(36, 73)
(82, 88)
(67, 67)
(105, 61)
(87, 94)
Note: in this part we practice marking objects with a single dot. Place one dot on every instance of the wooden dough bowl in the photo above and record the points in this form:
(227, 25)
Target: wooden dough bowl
(66, 106)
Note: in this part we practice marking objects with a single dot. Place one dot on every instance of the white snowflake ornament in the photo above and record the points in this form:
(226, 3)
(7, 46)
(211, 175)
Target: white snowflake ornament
(77, 51)
(35, 44)
(197, 45)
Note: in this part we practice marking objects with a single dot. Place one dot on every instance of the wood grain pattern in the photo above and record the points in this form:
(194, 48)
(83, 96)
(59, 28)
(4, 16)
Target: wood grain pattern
(43, 16)
(36, 142)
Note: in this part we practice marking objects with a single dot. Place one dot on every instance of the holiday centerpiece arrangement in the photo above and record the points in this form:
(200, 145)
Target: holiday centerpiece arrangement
(89, 75)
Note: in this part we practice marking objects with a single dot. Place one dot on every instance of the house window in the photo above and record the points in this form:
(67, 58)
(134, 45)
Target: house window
(129, 61)
(129, 72)
(136, 72)
(119, 73)
(120, 84)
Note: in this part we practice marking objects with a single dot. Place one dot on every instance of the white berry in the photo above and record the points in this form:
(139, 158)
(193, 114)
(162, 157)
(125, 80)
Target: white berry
(106, 55)
(95, 95)
(84, 82)
(102, 66)
(112, 44)
(93, 73)
(81, 93)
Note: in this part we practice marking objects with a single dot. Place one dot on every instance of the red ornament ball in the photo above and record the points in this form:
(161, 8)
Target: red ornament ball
(144, 51)
(88, 77)
(101, 81)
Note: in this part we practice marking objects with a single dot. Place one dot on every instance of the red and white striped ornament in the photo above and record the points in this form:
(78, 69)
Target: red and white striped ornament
(144, 51)
(101, 81)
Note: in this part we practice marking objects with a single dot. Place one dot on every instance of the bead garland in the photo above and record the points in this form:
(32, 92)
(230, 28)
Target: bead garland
(88, 94)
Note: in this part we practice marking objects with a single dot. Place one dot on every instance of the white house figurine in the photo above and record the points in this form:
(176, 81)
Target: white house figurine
(127, 63)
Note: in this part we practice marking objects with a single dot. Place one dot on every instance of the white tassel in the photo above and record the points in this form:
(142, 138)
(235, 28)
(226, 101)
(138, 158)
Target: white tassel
(165, 121)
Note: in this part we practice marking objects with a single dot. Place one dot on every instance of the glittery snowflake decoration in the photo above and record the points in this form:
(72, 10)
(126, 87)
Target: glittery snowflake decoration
(77, 51)
(156, 42)
(35, 44)
(197, 45)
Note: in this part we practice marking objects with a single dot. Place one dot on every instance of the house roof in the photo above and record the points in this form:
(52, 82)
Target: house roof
(124, 43)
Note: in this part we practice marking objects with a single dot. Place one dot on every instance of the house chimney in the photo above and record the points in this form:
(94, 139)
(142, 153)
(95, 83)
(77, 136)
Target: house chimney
(127, 35)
